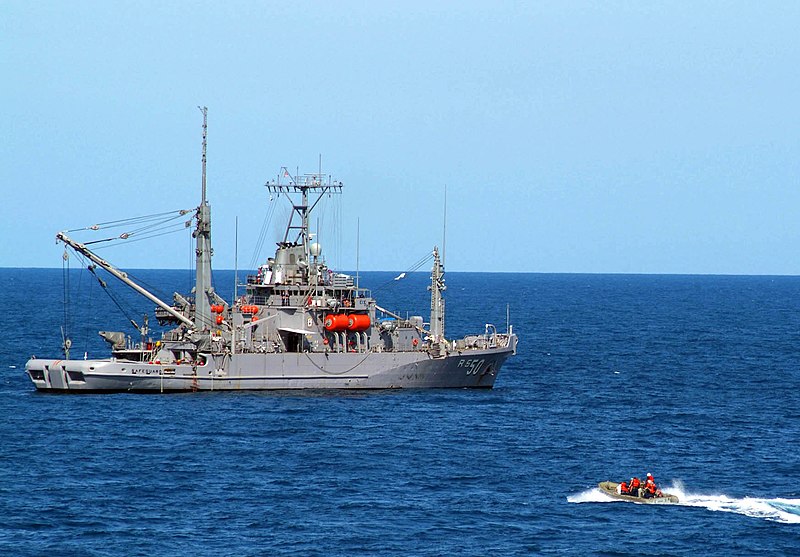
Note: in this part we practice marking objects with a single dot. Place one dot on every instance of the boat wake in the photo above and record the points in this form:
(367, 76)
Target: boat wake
(776, 510)
(786, 511)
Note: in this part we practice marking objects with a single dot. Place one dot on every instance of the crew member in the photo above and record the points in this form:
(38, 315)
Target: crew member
(635, 485)
(652, 483)
(622, 489)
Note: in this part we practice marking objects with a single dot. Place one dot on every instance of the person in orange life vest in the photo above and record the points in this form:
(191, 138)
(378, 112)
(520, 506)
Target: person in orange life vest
(635, 485)
(622, 489)
(650, 483)
(649, 490)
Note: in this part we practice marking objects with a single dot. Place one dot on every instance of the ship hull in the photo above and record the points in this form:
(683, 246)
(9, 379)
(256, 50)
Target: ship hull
(302, 370)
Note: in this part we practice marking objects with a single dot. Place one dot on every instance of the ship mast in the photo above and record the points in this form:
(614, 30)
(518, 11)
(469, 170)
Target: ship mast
(319, 184)
(437, 301)
(202, 234)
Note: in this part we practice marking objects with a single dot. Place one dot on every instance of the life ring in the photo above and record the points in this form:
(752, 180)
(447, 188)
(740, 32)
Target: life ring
(414, 343)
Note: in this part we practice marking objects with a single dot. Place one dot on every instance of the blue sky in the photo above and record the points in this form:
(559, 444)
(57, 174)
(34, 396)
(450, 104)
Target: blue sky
(625, 137)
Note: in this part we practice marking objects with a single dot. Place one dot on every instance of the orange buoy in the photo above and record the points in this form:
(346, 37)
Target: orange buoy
(358, 322)
(336, 322)
(219, 320)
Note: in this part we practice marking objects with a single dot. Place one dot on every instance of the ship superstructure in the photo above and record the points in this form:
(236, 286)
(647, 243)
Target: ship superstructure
(298, 325)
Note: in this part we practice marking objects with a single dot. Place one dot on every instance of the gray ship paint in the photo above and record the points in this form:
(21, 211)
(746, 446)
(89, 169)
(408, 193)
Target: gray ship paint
(299, 325)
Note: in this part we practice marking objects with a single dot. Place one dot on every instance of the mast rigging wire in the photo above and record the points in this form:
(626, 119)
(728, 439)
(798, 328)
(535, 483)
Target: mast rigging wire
(415, 267)
(263, 233)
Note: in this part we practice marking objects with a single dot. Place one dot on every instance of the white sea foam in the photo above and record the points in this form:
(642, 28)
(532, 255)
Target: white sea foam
(592, 496)
(778, 510)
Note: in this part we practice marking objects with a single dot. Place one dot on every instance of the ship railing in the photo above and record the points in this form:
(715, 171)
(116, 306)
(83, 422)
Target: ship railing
(490, 339)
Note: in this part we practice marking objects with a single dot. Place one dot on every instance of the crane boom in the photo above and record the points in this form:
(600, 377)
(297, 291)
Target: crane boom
(83, 250)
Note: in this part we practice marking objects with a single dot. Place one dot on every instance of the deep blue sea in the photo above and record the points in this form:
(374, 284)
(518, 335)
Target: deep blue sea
(693, 378)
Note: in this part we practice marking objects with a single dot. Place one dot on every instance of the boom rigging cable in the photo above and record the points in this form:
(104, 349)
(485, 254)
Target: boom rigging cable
(92, 269)
(113, 297)
(132, 220)
(152, 230)
(65, 280)
(175, 228)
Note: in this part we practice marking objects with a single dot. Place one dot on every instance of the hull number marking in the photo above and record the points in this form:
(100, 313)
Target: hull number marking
(473, 367)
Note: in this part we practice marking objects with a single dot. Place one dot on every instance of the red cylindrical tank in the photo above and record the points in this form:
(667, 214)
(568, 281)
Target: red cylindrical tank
(358, 322)
(336, 322)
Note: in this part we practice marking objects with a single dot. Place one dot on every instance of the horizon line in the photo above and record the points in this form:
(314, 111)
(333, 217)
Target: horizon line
(603, 273)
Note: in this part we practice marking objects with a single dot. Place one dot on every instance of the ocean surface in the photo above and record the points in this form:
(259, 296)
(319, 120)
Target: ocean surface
(693, 378)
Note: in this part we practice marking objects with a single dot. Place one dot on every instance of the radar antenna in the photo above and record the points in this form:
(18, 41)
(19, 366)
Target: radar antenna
(305, 184)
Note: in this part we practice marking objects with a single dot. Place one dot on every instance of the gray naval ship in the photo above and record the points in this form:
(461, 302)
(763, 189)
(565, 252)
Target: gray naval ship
(299, 325)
